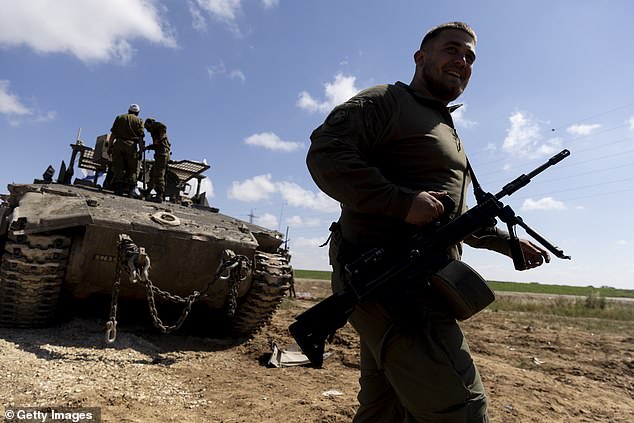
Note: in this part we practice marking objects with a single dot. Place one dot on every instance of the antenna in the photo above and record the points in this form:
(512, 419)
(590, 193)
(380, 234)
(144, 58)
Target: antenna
(286, 239)
(279, 225)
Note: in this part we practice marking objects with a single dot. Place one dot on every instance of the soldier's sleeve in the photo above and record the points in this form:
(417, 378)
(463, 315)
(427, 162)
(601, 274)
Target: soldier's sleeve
(491, 238)
(161, 131)
(113, 130)
(139, 130)
(339, 158)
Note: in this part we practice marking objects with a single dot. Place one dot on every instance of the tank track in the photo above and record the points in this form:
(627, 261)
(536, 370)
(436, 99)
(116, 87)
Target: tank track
(272, 278)
(31, 276)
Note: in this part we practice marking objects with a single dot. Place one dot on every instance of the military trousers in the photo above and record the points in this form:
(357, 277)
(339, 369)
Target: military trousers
(415, 363)
(125, 163)
(157, 178)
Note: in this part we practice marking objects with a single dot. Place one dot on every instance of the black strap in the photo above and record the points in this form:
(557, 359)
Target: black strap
(478, 192)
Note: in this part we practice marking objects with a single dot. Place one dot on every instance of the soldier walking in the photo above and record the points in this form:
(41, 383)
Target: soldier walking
(389, 155)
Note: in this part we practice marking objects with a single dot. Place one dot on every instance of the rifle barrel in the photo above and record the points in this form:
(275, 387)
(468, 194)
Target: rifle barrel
(523, 180)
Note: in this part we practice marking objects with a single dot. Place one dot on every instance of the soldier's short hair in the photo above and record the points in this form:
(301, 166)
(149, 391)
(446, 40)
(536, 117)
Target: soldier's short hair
(435, 31)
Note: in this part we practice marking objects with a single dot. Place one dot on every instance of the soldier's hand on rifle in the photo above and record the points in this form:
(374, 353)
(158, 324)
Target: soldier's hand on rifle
(425, 208)
(534, 254)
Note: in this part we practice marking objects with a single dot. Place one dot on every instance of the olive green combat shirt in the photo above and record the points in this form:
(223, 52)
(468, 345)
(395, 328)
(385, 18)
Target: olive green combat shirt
(158, 131)
(376, 151)
(127, 126)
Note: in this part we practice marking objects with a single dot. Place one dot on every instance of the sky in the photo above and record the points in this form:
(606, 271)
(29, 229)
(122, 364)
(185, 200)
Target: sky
(241, 84)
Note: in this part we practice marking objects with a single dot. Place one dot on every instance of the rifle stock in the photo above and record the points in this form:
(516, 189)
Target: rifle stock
(422, 256)
(313, 327)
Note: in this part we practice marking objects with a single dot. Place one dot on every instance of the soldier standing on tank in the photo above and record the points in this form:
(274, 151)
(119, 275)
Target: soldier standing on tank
(161, 146)
(127, 142)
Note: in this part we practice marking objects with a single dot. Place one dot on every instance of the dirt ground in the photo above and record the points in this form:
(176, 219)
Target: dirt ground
(536, 369)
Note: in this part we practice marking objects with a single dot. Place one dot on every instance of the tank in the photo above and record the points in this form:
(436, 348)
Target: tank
(62, 241)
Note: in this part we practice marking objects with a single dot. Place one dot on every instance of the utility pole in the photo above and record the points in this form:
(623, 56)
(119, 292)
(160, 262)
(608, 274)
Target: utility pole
(251, 216)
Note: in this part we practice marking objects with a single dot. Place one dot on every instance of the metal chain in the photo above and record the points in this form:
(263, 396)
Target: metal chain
(111, 325)
(235, 271)
(233, 268)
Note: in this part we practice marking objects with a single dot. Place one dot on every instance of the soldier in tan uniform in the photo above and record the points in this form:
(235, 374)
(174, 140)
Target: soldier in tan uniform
(127, 135)
(161, 146)
(388, 155)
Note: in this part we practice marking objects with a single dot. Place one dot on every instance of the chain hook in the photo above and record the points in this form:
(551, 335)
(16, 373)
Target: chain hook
(111, 331)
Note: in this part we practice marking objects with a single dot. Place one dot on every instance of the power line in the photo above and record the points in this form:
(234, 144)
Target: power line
(601, 184)
(600, 194)
(594, 116)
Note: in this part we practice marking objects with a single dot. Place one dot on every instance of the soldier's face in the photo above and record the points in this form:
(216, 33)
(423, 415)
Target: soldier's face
(444, 66)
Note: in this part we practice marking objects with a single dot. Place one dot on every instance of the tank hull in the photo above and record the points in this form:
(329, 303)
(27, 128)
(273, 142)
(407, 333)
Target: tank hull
(185, 244)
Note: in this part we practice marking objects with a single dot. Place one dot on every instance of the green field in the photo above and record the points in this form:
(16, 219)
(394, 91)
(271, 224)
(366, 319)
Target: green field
(566, 301)
(533, 287)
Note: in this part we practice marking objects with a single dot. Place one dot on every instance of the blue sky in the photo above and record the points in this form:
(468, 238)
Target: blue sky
(242, 83)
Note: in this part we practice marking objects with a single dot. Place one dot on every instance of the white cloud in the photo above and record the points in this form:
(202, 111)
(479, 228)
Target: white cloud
(262, 187)
(267, 220)
(524, 138)
(215, 70)
(336, 92)
(221, 70)
(268, 4)
(10, 104)
(17, 113)
(631, 123)
(299, 197)
(222, 10)
(47, 117)
(91, 30)
(490, 148)
(581, 129)
(621, 242)
(300, 222)
(255, 189)
(198, 20)
(237, 74)
(460, 120)
(307, 254)
(294, 221)
(546, 203)
(271, 141)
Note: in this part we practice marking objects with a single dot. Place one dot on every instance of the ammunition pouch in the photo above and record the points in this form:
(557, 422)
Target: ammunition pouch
(463, 290)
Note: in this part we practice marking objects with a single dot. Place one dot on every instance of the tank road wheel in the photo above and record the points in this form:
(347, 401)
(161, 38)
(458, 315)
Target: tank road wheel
(31, 275)
(272, 277)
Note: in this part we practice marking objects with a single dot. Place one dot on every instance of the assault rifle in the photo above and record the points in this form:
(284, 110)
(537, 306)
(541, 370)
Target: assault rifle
(423, 255)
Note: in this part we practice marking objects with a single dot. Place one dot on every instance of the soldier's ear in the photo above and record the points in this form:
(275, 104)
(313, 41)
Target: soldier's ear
(419, 57)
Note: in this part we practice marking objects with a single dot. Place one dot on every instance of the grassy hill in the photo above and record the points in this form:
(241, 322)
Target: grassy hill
(501, 286)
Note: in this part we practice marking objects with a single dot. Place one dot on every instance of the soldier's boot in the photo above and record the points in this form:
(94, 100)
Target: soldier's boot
(157, 198)
(145, 192)
(118, 188)
(130, 190)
